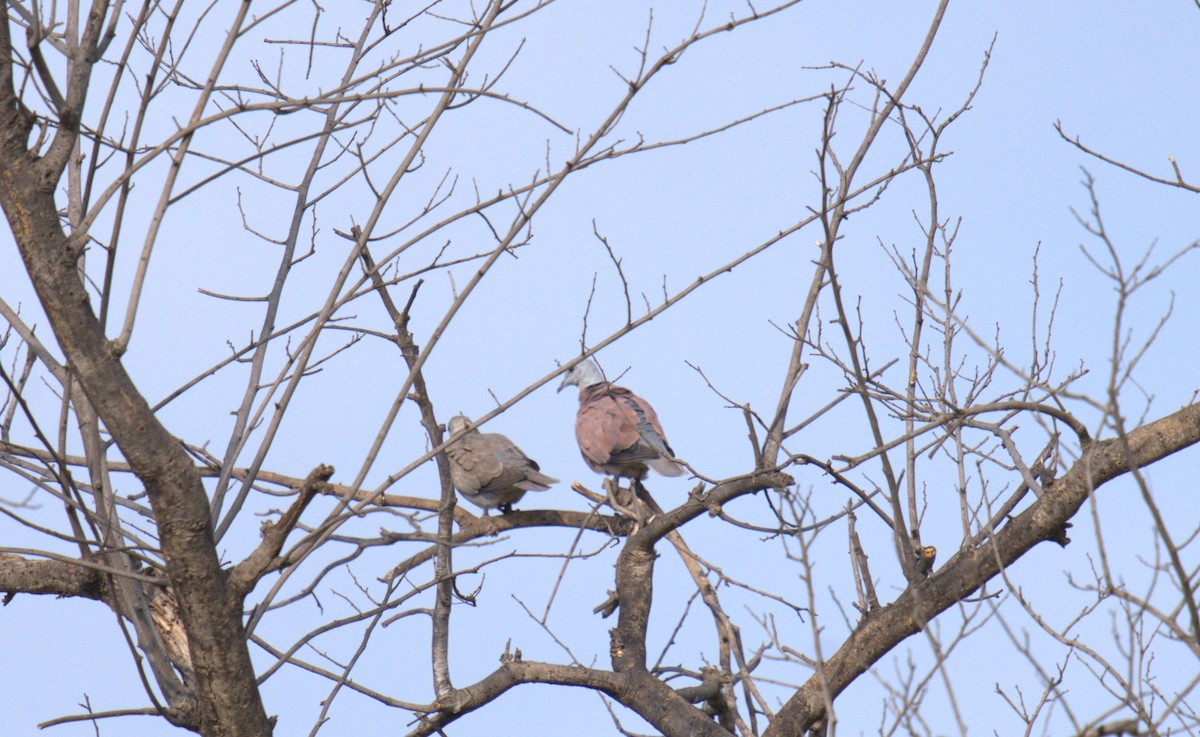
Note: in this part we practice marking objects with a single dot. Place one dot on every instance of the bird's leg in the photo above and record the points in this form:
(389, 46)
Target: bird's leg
(612, 491)
(506, 508)
(490, 528)
(489, 522)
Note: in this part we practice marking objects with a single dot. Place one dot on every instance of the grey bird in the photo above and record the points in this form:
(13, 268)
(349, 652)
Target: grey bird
(489, 470)
(618, 432)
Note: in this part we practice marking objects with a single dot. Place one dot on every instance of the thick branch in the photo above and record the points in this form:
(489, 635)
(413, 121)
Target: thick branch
(652, 699)
(229, 703)
(19, 575)
(265, 559)
(969, 570)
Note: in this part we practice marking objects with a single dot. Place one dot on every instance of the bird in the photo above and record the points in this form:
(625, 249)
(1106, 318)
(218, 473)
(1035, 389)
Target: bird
(925, 557)
(618, 432)
(489, 470)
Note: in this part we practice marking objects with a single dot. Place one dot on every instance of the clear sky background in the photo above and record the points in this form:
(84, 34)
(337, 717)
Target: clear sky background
(1121, 76)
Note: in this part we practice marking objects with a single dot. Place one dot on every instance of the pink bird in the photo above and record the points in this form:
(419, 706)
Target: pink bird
(618, 431)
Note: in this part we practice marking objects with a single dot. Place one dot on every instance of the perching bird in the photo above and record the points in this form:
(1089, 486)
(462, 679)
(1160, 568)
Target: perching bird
(489, 470)
(618, 431)
(925, 557)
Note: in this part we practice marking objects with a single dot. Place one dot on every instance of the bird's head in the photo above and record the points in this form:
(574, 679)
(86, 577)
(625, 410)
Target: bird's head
(459, 423)
(583, 374)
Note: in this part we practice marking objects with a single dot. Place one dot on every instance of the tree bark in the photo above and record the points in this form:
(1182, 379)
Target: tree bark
(969, 570)
(227, 702)
(20, 575)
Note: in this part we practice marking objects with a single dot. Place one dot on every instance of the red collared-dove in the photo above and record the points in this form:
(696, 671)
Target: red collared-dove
(618, 431)
(489, 470)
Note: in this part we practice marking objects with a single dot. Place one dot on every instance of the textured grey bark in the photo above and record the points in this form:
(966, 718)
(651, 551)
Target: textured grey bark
(226, 699)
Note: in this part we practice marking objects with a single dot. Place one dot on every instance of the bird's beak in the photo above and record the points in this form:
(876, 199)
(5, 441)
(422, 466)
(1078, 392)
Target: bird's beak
(564, 383)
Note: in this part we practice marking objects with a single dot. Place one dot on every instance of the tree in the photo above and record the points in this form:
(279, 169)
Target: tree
(372, 186)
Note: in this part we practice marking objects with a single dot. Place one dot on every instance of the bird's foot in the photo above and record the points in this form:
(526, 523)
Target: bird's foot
(618, 498)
